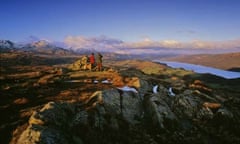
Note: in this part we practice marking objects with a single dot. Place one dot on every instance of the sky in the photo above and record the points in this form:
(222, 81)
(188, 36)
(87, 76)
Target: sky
(124, 23)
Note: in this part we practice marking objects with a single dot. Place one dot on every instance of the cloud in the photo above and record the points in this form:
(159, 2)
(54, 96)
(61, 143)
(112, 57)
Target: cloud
(103, 43)
(141, 44)
(170, 44)
(215, 44)
(195, 44)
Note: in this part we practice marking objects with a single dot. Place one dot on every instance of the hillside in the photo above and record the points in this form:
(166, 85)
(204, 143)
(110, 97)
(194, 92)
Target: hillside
(131, 101)
(229, 61)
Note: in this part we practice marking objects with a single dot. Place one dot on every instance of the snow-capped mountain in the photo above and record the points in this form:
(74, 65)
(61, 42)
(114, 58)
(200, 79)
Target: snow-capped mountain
(6, 44)
(38, 47)
(45, 47)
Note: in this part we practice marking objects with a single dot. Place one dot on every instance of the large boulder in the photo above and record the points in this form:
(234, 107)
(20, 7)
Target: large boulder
(77, 65)
(186, 104)
(107, 115)
(36, 134)
(159, 112)
(50, 125)
(115, 103)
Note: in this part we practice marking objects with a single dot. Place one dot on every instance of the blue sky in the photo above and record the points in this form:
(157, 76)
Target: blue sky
(131, 21)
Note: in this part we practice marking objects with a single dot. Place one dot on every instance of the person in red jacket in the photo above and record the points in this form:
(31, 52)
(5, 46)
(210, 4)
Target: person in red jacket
(92, 60)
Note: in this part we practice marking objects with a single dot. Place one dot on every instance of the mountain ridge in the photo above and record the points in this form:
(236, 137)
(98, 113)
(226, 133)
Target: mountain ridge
(226, 61)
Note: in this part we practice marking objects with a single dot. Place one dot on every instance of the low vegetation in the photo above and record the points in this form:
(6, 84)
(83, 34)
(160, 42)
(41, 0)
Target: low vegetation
(34, 83)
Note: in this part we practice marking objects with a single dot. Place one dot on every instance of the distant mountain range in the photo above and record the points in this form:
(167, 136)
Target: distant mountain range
(46, 48)
(39, 47)
(227, 61)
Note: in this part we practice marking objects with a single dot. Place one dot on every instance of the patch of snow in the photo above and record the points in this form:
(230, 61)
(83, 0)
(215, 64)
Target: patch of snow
(106, 82)
(155, 89)
(6, 44)
(126, 88)
(202, 69)
(171, 92)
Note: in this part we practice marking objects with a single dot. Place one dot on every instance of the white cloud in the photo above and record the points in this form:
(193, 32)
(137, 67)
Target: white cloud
(170, 44)
(77, 41)
(215, 44)
(141, 44)
(103, 43)
(197, 44)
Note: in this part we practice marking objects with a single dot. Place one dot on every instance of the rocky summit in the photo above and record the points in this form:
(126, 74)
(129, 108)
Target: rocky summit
(129, 102)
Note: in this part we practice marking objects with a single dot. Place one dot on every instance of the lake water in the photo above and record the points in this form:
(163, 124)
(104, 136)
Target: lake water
(202, 69)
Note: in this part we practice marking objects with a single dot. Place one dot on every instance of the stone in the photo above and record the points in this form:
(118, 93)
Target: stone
(158, 111)
(36, 134)
(116, 102)
(49, 125)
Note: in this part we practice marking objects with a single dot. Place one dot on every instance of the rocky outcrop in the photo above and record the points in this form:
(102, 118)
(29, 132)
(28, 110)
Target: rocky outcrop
(177, 114)
(77, 65)
(50, 125)
(104, 110)
(158, 111)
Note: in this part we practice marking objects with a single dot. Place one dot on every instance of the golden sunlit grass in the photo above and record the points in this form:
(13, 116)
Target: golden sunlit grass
(144, 66)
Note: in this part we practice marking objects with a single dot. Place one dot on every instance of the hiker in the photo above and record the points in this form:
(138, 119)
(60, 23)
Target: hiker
(99, 62)
(92, 61)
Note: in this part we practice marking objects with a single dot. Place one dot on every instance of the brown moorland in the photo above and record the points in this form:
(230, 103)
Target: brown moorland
(30, 82)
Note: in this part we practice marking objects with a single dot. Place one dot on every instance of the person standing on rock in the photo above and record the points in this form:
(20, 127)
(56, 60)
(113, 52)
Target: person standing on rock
(92, 61)
(99, 62)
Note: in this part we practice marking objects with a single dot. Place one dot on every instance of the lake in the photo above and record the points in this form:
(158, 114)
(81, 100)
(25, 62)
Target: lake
(202, 69)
